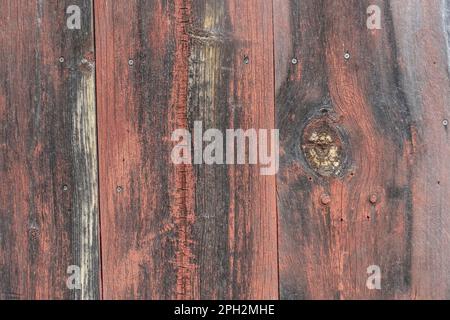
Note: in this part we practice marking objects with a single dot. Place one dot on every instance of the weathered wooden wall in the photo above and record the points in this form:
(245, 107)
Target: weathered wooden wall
(364, 146)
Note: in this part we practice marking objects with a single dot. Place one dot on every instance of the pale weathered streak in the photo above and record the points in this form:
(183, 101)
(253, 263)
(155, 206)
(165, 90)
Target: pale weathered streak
(446, 26)
(86, 195)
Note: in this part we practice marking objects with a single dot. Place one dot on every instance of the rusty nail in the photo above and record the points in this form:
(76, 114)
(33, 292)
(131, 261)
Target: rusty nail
(325, 199)
(294, 61)
(373, 198)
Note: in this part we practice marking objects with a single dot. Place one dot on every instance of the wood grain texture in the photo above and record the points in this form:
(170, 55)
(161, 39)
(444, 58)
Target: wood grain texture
(48, 164)
(235, 206)
(423, 31)
(386, 101)
(171, 232)
(363, 118)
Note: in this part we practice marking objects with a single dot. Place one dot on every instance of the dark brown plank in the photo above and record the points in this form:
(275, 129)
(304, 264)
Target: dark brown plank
(380, 204)
(48, 176)
(183, 231)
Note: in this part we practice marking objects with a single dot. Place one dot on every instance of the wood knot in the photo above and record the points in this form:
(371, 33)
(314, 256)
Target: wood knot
(323, 147)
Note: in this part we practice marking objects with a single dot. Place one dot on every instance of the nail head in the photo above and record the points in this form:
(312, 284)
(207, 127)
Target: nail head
(445, 122)
(294, 61)
(373, 198)
(325, 199)
(34, 232)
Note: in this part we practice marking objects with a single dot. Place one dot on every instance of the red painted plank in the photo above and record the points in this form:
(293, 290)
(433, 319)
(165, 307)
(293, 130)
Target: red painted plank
(183, 231)
(48, 164)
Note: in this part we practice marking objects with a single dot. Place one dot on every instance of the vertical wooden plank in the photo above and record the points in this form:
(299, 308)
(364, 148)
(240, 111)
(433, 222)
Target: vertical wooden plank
(346, 171)
(48, 164)
(235, 206)
(423, 33)
(183, 231)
